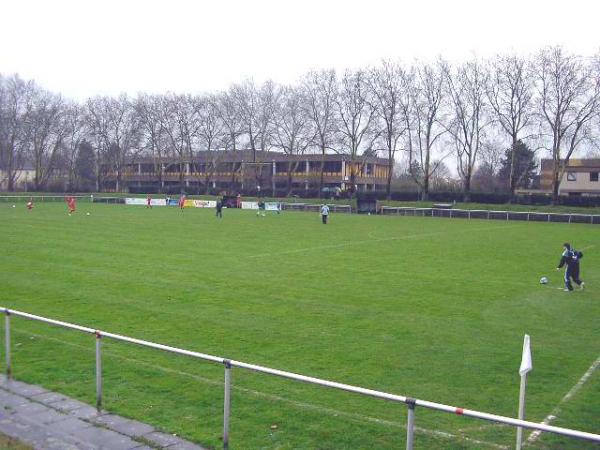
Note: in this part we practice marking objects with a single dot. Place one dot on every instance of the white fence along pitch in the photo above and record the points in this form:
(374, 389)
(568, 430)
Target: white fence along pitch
(229, 364)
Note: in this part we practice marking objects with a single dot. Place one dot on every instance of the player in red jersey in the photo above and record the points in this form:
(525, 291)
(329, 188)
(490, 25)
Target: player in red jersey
(71, 204)
(182, 201)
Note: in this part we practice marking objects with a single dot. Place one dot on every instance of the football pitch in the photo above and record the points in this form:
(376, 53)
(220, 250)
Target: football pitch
(430, 308)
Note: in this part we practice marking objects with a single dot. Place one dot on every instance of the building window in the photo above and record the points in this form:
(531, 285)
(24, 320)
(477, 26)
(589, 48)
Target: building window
(593, 176)
(571, 176)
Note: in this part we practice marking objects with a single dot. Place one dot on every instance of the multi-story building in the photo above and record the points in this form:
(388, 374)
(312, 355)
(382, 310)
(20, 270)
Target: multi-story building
(264, 171)
(580, 177)
(22, 178)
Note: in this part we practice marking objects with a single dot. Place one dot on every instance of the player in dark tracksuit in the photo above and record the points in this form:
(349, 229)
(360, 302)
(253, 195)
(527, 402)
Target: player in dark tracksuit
(571, 258)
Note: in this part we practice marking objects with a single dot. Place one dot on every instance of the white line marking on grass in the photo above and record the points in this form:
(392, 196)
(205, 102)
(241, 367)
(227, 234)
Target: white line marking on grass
(369, 241)
(568, 396)
(302, 405)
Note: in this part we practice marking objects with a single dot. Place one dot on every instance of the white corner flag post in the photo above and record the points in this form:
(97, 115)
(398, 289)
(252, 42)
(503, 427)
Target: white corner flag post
(526, 366)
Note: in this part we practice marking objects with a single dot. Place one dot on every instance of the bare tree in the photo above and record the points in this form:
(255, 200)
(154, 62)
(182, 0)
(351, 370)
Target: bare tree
(148, 109)
(442, 179)
(96, 120)
(230, 116)
(392, 98)
(467, 87)
(321, 92)
(256, 108)
(510, 94)
(356, 111)
(569, 96)
(485, 177)
(74, 135)
(211, 131)
(15, 94)
(179, 120)
(116, 126)
(44, 131)
(293, 132)
(232, 122)
(426, 122)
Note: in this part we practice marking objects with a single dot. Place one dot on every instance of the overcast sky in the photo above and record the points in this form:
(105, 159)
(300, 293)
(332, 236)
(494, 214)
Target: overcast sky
(83, 48)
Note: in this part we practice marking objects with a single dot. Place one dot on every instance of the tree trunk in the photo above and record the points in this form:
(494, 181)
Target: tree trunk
(322, 178)
(467, 188)
(352, 180)
(555, 184)
(388, 188)
(118, 182)
(161, 178)
(207, 178)
(289, 182)
(425, 190)
(511, 177)
(10, 171)
(427, 173)
(181, 165)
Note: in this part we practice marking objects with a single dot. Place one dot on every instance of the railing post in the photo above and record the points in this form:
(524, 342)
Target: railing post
(7, 343)
(226, 404)
(98, 372)
(410, 424)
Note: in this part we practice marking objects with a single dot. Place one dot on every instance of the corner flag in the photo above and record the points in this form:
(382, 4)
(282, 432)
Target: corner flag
(526, 364)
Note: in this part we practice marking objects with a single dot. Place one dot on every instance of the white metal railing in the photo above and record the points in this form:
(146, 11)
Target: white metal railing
(315, 207)
(228, 364)
(43, 198)
(533, 216)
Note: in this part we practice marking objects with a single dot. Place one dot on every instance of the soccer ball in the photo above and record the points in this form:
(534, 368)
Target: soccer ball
(543, 280)
(14, 206)
(87, 214)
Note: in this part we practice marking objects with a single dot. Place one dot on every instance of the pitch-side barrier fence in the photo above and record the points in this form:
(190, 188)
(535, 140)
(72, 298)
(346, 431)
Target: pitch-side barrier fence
(315, 207)
(290, 206)
(490, 215)
(43, 198)
(229, 364)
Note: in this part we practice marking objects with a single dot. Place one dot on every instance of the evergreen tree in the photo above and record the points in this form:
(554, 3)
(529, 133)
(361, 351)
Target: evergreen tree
(525, 167)
(84, 165)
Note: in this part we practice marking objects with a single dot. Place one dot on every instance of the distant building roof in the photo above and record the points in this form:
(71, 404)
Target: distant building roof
(590, 163)
(248, 156)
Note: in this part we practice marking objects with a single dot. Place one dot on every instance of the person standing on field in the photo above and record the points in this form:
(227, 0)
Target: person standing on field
(182, 201)
(570, 257)
(324, 213)
(220, 208)
(70, 204)
(149, 201)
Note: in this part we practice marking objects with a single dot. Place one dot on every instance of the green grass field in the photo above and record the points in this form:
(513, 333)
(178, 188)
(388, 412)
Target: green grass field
(431, 308)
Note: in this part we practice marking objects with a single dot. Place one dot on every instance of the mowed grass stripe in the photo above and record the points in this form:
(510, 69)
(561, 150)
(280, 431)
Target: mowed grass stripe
(439, 316)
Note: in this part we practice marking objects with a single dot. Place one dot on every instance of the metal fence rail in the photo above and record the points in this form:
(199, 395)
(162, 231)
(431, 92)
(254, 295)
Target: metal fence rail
(115, 199)
(43, 198)
(531, 216)
(229, 364)
(315, 207)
